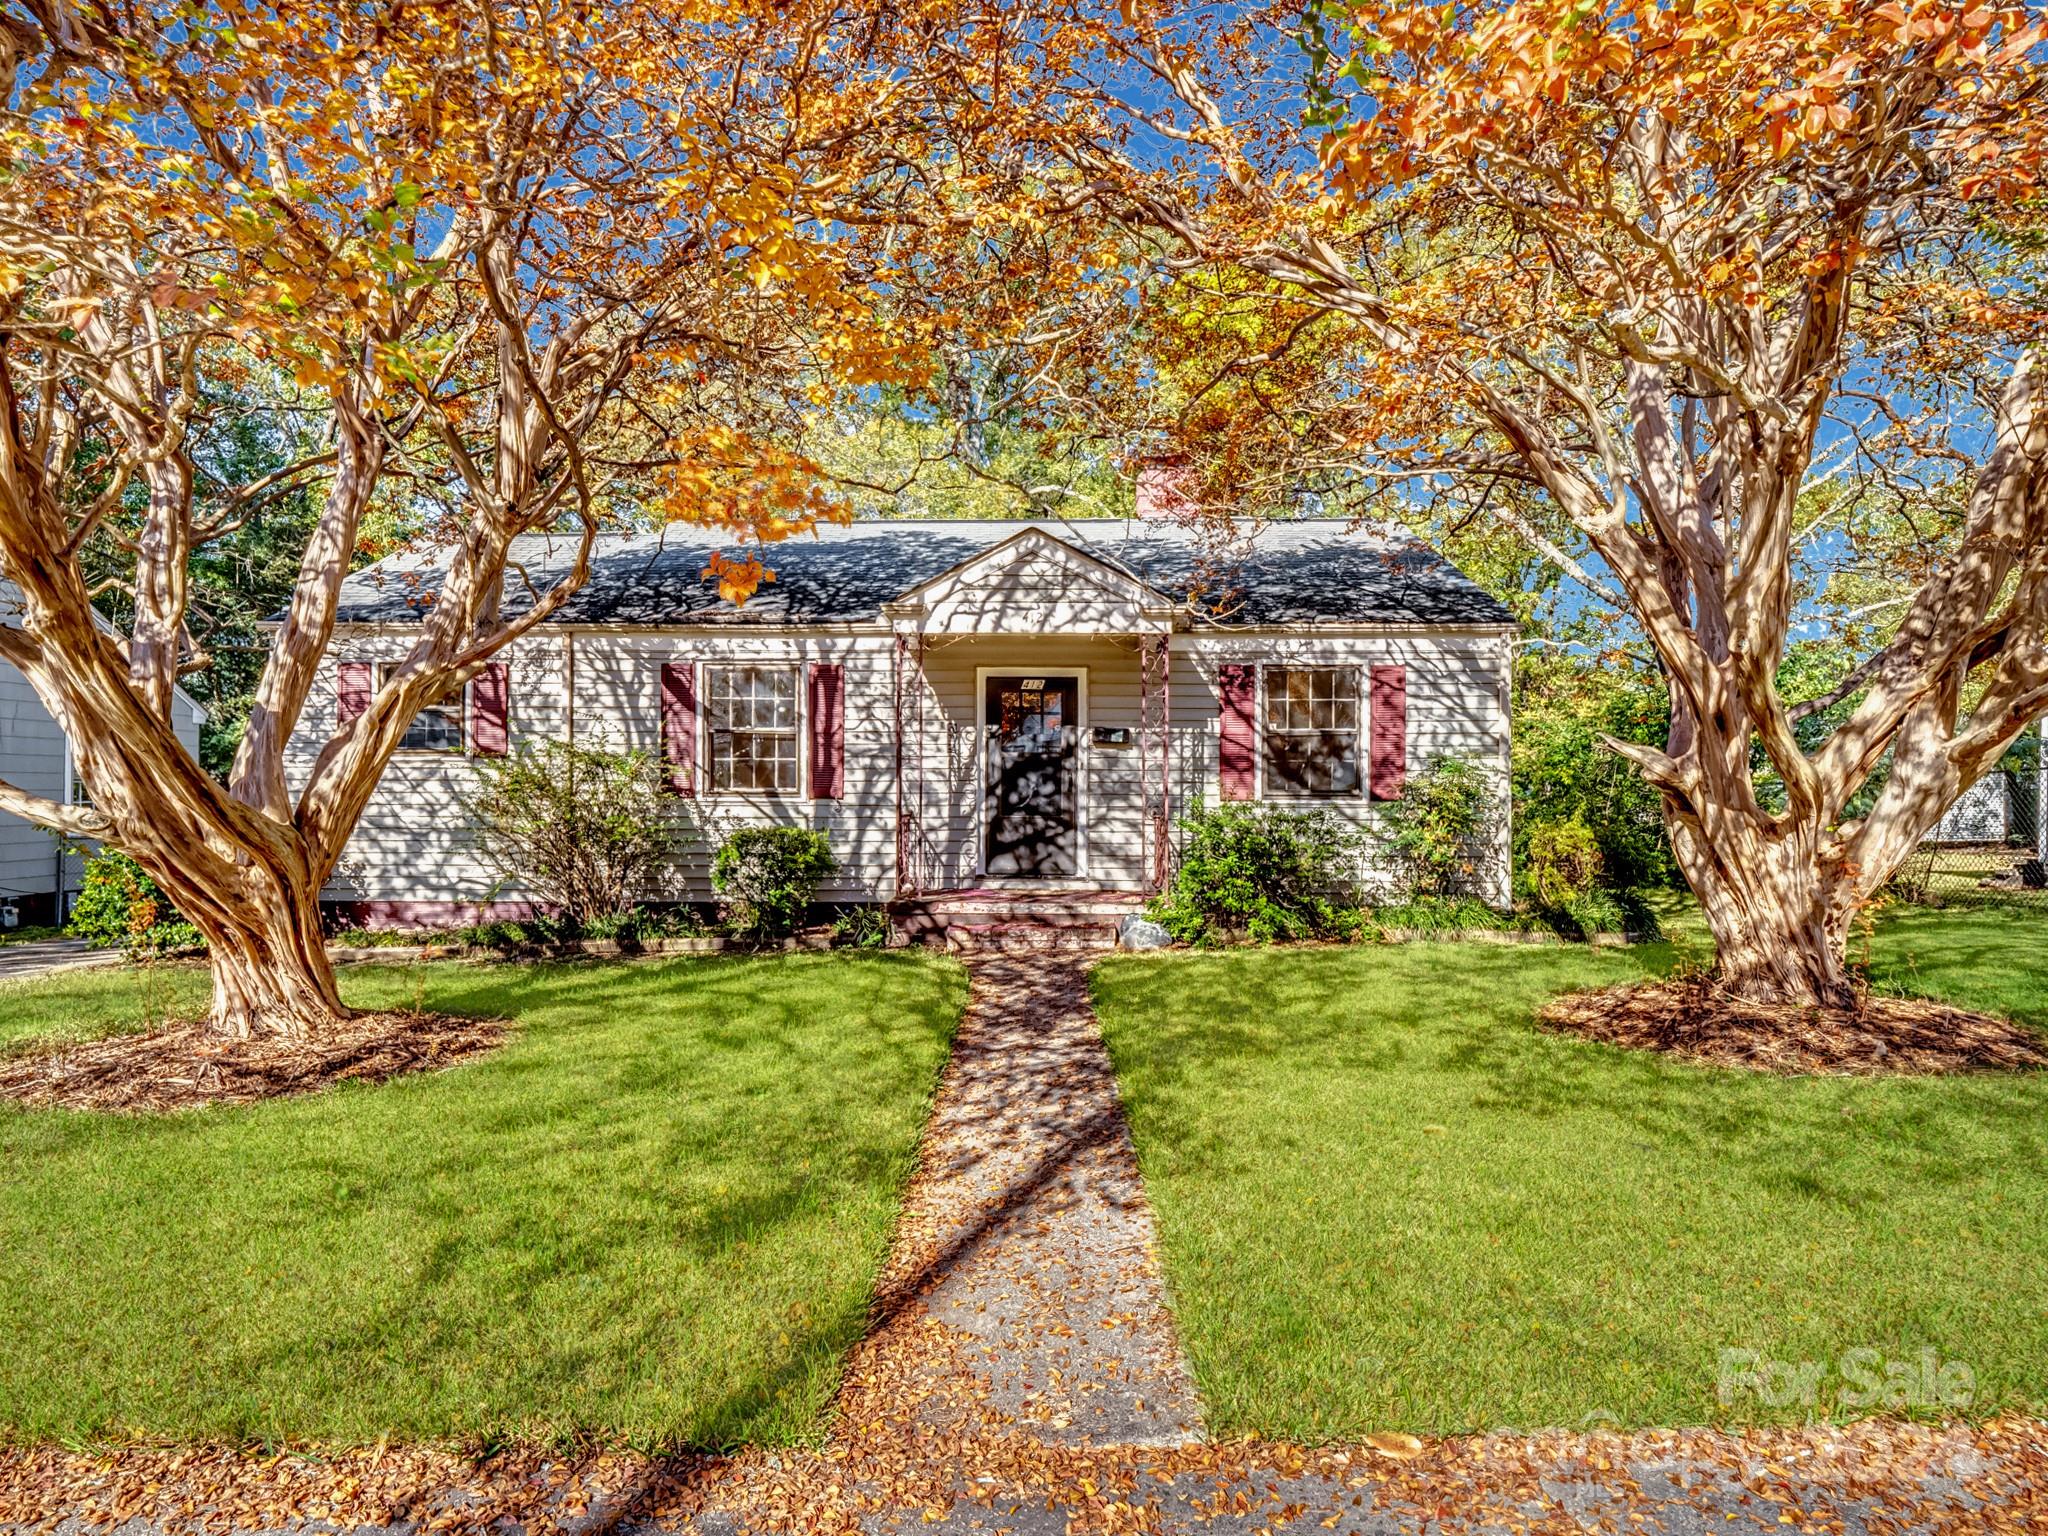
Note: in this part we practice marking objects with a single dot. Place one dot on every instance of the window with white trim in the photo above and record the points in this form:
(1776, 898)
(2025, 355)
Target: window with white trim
(1311, 732)
(74, 786)
(438, 726)
(752, 714)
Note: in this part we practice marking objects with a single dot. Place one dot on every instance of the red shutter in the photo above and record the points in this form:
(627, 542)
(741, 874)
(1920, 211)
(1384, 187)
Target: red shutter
(1237, 689)
(679, 724)
(1389, 732)
(490, 710)
(355, 681)
(828, 730)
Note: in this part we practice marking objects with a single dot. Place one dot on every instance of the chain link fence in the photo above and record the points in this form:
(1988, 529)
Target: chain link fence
(1989, 848)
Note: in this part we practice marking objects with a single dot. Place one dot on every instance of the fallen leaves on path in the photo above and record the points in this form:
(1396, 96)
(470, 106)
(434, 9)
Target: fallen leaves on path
(1882, 1477)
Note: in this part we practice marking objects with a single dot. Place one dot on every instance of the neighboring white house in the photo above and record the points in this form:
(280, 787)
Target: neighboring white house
(958, 705)
(38, 872)
(2001, 807)
(1981, 814)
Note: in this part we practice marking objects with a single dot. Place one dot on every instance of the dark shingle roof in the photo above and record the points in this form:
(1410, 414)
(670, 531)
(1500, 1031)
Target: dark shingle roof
(1301, 572)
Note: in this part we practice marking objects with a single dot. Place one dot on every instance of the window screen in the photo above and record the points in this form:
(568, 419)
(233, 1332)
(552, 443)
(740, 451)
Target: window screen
(752, 714)
(1311, 732)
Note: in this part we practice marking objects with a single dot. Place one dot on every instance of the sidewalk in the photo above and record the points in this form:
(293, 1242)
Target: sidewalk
(45, 957)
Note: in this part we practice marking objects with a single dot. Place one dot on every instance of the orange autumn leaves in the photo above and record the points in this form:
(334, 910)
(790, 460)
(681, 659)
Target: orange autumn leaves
(1750, 82)
(673, 204)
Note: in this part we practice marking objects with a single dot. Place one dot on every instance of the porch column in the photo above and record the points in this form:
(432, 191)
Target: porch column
(906, 678)
(1155, 658)
(899, 643)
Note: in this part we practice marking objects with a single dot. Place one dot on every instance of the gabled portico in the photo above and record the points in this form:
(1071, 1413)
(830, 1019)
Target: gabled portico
(1063, 780)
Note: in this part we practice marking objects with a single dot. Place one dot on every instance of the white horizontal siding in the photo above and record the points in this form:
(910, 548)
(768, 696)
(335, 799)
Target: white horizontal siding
(1458, 690)
(1042, 587)
(946, 782)
(414, 842)
(33, 758)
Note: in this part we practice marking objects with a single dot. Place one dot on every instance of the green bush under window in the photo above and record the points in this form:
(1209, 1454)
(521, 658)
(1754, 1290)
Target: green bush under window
(1257, 873)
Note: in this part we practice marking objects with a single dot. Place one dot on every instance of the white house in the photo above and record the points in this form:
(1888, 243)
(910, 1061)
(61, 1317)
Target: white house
(958, 705)
(2001, 808)
(38, 872)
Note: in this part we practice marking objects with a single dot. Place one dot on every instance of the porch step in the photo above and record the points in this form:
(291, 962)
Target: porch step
(1030, 919)
(1023, 938)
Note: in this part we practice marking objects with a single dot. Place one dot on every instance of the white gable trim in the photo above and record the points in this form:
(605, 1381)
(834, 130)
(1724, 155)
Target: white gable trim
(1033, 583)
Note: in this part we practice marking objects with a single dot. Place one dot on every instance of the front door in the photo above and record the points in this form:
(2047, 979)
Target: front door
(1031, 810)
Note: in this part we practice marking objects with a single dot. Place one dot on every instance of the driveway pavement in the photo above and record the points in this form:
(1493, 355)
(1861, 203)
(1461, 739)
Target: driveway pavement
(43, 957)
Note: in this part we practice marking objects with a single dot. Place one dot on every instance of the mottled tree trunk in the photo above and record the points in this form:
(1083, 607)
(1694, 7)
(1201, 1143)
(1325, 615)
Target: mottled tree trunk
(251, 888)
(271, 976)
(1779, 914)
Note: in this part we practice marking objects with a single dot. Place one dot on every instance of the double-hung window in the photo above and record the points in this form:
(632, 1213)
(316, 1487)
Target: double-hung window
(1312, 732)
(438, 726)
(751, 713)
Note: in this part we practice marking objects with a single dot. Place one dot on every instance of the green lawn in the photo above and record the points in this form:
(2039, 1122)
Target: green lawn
(1387, 1201)
(655, 1216)
(85, 1004)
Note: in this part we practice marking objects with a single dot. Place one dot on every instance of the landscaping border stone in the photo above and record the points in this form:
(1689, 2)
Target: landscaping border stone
(600, 949)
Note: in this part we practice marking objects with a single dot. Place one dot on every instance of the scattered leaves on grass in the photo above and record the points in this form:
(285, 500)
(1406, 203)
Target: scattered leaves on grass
(185, 1066)
(1879, 1036)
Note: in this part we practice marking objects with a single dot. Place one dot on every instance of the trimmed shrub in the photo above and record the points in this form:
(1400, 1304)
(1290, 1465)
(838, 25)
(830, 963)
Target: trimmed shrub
(120, 907)
(1253, 872)
(1563, 861)
(584, 831)
(766, 878)
(1440, 826)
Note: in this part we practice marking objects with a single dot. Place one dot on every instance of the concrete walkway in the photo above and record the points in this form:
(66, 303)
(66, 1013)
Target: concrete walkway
(1023, 1296)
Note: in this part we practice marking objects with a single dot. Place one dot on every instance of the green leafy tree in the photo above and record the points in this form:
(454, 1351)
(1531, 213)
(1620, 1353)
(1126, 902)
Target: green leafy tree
(1564, 861)
(1567, 704)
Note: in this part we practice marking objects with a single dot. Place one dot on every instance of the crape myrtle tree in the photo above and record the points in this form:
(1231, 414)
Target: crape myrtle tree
(528, 268)
(1639, 280)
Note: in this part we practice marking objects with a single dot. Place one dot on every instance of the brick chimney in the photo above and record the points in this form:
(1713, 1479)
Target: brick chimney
(1159, 489)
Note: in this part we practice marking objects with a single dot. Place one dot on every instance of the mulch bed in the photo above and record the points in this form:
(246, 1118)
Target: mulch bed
(184, 1066)
(1880, 1036)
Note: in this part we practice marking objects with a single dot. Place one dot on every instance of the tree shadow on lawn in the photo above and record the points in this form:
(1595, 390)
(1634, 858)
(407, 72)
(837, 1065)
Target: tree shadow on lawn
(1460, 1023)
(738, 1010)
(1994, 959)
(448, 1225)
